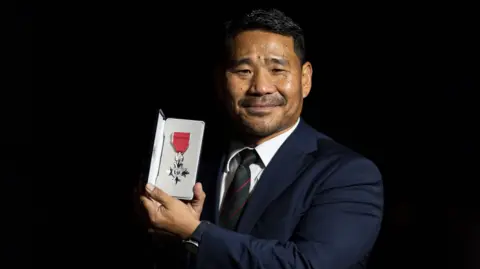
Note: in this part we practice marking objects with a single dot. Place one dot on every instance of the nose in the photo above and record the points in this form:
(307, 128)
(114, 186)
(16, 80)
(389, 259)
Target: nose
(262, 84)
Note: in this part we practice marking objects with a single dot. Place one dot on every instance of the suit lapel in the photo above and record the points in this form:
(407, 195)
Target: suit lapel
(278, 175)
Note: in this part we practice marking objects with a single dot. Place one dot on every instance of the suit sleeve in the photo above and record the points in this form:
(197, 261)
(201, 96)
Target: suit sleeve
(338, 230)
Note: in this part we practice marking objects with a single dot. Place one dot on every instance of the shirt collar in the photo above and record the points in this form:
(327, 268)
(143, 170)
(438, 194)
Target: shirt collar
(266, 150)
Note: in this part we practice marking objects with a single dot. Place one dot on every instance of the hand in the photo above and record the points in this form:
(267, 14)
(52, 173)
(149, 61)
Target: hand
(196, 205)
(172, 215)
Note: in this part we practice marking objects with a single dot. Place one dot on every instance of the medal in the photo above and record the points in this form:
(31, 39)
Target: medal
(180, 142)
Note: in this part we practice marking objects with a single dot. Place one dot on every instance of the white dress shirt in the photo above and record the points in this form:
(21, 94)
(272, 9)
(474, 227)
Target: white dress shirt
(266, 151)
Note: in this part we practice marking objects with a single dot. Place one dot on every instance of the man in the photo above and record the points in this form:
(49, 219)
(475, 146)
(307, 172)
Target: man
(283, 195)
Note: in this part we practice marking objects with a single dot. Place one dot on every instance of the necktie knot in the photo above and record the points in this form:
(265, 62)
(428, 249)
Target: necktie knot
(248, 156)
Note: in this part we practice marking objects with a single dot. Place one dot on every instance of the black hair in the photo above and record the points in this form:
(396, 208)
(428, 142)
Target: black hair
(271, 20)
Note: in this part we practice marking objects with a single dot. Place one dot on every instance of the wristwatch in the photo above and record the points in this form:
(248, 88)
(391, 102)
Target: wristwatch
(192, 243)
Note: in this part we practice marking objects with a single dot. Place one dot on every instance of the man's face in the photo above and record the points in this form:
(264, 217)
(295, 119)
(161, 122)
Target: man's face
(265, 82)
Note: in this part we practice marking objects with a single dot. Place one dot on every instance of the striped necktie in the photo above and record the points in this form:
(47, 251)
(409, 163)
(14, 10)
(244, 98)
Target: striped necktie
(239, 191)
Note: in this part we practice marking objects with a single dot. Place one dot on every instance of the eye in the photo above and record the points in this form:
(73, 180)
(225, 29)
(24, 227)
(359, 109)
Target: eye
(277, 70)
(243, 71)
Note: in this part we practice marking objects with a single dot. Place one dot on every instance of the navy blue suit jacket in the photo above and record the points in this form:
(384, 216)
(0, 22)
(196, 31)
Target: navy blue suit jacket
(317, 204)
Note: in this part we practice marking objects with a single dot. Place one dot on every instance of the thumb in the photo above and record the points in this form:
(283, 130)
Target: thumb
(158, 195)
(198, 193)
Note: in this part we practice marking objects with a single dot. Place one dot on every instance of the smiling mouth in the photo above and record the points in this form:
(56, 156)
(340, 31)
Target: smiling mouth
(260, 106)
(259, 110)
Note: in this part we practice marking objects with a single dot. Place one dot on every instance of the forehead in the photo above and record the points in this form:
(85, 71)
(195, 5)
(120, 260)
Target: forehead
(260, 43)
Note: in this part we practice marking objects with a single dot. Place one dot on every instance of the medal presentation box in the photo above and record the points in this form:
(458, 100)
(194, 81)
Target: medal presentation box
(176, 155)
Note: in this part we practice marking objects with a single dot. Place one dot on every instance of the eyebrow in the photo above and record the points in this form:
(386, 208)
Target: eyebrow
(280, 61)
(248, 61)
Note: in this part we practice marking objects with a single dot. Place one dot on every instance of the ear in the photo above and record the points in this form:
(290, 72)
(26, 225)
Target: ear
(307, 72)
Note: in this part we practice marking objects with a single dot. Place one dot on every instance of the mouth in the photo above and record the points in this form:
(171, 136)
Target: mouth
(259, 109)
(262, 106)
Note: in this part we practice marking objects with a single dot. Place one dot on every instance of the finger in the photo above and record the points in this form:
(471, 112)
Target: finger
(198, 193)
(148, 203)
(158, 195)
(154, 211)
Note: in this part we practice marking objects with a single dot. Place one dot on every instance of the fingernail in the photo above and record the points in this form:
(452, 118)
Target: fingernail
(150, 187)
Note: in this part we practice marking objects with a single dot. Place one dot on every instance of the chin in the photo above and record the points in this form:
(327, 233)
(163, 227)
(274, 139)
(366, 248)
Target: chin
(260, 127)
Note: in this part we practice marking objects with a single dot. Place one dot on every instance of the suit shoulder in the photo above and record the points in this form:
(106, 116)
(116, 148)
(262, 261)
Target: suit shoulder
(336, 152)
(326, 148)
(329, 148)
(331, 156)
(335, 167)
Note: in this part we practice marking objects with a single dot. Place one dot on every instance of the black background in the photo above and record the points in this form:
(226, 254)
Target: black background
(394, 83)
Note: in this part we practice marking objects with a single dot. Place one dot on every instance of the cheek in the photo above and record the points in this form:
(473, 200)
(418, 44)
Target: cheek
(236, 88)
(285, 83)
(288, 87)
